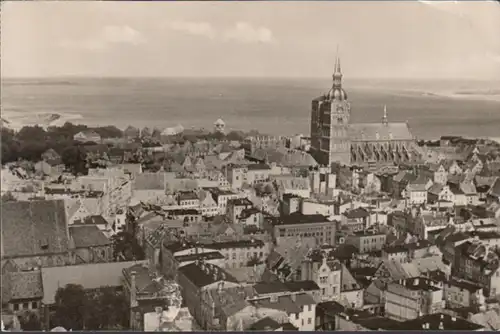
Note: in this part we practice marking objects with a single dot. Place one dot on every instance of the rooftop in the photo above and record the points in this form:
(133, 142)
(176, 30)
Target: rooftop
(85, 236)
(299, 218)
(439, 321)
(34, 228)
(253, 167)
(202, 274)
(90, 276)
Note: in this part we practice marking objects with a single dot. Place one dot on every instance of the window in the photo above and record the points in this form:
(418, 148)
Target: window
(309, 309)
(26, 306)
(34, 305)
(16, 307)
(234, 256)
(309, 321)
(302, 322)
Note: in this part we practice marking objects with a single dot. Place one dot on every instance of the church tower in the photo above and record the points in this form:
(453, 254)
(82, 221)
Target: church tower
(330, 116)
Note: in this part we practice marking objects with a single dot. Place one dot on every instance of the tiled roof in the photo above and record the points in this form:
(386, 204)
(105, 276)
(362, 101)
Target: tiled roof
(379, 131)
(90, 276)
(495, 188)
(348, 282)
(92, 220)
(283, 303)
(248, 274)
(416, 187)
(264, 288)
(436, 189)
(34, 227)
(206, 256)
(302, 286)
(144, 280)
(490, 319)
(356, 213)
(299, 218)
(84, 236)
(203, 274)
(25, 285)
(149, 181)
(439, 321)
(258, 167)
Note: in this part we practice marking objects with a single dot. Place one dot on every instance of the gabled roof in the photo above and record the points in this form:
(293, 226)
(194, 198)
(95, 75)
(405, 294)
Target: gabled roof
(495, 188)
(34, 228)
(379, 131)
(348, 283)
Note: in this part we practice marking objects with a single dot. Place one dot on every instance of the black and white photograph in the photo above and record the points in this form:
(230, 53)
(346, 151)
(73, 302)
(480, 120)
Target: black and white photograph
(202, 166)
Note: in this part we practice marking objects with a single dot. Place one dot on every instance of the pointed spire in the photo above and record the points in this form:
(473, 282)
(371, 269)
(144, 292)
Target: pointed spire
(337, 62)
(385, 119)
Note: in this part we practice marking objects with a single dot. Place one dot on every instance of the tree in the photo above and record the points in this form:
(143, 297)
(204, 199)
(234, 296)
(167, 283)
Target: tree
(8, 197)
(100, 309)
(107, 309)
(32, 133)
(74, 158)
(30, 321)
(235, 136)
(71, 302)
(125, 246)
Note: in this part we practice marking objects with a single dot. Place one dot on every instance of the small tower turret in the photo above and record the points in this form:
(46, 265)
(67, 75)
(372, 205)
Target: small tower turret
(385, 120)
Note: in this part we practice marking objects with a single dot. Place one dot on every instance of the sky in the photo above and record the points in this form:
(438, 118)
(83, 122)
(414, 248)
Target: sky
(375, 39)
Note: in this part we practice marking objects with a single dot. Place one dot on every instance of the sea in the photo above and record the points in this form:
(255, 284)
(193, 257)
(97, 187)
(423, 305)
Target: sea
(432, 108)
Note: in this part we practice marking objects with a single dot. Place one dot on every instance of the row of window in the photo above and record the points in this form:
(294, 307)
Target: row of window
(25, 306)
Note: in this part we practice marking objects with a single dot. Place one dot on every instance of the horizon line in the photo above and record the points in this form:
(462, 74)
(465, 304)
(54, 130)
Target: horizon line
(70, 76)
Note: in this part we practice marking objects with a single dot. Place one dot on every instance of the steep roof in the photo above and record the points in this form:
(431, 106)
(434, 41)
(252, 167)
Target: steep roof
(34, 228)
(369, 131)
(495, 188)
(348, 283)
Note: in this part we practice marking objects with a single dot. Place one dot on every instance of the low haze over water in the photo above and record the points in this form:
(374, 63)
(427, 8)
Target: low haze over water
(280, 106)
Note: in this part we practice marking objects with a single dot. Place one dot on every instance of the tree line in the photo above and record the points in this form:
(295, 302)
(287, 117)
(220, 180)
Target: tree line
(31, 142)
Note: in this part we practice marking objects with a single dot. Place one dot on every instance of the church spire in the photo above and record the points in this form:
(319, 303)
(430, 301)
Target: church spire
(385, 120)
(337, 73)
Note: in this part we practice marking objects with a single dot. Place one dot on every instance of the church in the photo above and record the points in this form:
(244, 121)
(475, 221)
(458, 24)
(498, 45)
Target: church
(335, 140)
